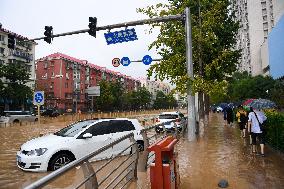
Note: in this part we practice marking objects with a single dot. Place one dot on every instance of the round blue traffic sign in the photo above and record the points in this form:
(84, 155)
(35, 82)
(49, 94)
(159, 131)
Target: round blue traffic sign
(38, 97)
(125, 61)
(147, 60)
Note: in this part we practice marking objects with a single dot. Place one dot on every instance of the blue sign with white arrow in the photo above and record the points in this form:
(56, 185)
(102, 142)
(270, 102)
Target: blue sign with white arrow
(125, 61)
(147, 60)
(121, 36)
(39, 97)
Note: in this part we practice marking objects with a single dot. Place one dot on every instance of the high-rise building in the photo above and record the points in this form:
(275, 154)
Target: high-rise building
(257, 19)
(154, 86)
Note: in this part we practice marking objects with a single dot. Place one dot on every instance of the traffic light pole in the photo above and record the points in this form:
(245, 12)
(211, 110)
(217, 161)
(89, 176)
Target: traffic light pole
(120, 25)
(190, 96)
(191, 120)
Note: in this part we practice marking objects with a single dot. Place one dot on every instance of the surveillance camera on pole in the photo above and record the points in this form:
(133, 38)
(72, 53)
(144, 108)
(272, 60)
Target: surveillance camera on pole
(48, 34)
(92, 26)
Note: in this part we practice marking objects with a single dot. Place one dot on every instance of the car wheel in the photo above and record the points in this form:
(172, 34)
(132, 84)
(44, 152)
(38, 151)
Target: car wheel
(16, 121)
(140, 145)
(59, 161)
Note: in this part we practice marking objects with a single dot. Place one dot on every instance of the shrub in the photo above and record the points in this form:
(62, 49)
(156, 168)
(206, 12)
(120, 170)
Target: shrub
(275, 130)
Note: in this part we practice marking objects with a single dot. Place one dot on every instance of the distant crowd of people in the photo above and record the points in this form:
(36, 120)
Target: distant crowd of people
(250, 121)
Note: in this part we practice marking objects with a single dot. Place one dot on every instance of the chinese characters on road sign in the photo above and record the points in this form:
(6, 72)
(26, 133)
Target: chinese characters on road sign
(120, 36)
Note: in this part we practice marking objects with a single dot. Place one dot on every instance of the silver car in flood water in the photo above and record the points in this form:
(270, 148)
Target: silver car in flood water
(17, 116)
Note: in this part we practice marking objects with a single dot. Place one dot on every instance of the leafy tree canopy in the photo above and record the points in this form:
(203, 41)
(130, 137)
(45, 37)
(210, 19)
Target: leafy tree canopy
(215, 35)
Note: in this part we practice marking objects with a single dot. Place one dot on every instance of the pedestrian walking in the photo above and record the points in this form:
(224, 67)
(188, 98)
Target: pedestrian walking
(229, 115)
(225, 115)
(242, 120)
(255, 119)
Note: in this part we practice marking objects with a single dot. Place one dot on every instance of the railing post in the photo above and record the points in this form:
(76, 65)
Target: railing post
(132, 140)
(88, 170)
(143, 158)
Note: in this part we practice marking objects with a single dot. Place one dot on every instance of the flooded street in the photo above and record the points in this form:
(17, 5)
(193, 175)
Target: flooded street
(220, 154)
(223, 154)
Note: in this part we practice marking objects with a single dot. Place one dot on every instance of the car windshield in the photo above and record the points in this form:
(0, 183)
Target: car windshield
(168, 116)
(74, 128)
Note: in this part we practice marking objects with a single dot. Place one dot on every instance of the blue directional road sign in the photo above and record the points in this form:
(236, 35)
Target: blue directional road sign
(121, 36)
(38, 98)
(125, 61)
(147, 60)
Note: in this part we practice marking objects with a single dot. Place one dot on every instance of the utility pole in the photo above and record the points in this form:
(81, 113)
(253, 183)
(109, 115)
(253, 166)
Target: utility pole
(191, 122)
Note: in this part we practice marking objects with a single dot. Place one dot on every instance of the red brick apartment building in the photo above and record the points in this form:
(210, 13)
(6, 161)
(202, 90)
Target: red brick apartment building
(61, 77)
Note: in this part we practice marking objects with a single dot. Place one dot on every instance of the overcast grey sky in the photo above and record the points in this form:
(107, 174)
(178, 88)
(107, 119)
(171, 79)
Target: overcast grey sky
(28, 18)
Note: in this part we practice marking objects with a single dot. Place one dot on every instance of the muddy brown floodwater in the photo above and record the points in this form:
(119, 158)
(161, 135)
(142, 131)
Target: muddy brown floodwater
(220, 154)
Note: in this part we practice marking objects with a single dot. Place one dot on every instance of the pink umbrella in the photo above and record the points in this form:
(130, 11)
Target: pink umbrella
(248, 101)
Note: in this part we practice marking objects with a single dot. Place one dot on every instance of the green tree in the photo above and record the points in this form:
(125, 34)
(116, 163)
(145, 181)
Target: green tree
(161, 101)
(15, 77)
(117, 92)
(214, 32)
(216, 35)
(172, 102)
(105, 101)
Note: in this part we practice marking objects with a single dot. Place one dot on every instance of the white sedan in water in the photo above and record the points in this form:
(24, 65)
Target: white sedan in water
(50, 152)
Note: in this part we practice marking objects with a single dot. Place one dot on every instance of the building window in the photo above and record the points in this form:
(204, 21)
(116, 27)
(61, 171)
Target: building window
(263, 5)
(2, 50)
(51, 63)
(264, 18)
(265, 33)
(66, 85)
(2, 38)
(265, 26)
(52, 85)
(52, 74)
(45, 64)
(264, 12)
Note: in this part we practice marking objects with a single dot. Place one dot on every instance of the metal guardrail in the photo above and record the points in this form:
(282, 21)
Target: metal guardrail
(90, 180)
(145, 156)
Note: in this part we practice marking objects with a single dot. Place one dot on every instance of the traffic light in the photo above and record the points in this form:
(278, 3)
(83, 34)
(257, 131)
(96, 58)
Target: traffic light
(92, 26)
(11, 41)
(48, 34)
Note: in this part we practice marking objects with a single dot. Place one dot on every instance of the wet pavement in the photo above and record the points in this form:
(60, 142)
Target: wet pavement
(220, 154)
(223, 154)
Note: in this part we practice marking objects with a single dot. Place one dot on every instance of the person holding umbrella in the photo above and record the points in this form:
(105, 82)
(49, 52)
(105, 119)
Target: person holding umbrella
(255, 118)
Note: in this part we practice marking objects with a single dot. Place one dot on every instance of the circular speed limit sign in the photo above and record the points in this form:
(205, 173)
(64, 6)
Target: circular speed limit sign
(116, 62)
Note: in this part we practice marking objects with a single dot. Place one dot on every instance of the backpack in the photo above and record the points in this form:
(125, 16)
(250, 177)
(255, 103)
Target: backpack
(243, 118)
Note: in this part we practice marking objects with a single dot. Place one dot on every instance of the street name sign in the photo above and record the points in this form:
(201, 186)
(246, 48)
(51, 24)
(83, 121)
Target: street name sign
(121, 36)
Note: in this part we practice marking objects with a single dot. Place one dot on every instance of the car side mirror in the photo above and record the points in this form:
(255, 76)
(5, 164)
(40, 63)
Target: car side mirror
(87, 135)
